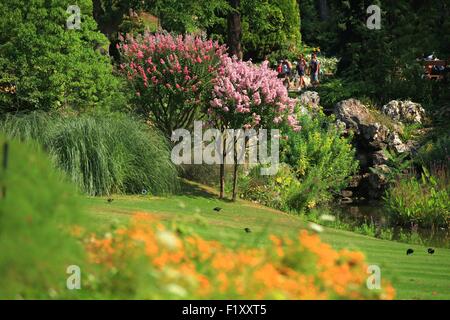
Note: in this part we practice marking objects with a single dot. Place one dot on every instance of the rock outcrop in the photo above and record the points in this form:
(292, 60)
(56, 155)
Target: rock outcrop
(374, 132)
(404, 111)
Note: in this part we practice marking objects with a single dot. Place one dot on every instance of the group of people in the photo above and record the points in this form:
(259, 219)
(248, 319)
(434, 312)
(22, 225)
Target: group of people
(295, 73)
(435, 66)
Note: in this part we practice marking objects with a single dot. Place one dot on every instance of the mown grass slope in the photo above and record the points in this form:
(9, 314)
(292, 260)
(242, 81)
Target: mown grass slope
(417, 276)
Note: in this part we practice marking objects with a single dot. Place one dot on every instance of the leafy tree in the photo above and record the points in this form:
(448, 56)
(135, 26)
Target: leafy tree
(247, 96)
(50, 66)
(384, 61)
(270, 25)
(171, 76)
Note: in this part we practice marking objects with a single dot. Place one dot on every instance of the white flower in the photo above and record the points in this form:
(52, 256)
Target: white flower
(315, 227)
(176, 289)
(327, 217)
(168, 239)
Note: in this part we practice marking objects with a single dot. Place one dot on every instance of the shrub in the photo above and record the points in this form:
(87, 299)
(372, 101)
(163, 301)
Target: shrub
(101, 154)
(36, 212)
(171, 76)
(272, 191)
(321, 158)
(424, 202)
(335, 90)
(194, 268)
(435, 150)
(50, 67)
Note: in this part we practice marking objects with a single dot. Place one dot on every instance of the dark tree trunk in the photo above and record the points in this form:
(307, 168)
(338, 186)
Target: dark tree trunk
(235, 169)
(323, 9)
(222, 169)
(235, 29)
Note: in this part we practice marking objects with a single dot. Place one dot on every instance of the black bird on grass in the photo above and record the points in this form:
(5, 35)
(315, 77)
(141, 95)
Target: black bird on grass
(247, 230)
(217, 209)
(110, 200)
(409, 251)
(430, 250)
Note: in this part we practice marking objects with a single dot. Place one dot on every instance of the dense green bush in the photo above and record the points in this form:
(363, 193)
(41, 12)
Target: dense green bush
(424, 202)
(48, 66)
(102, 155)
(321, 158)
(335, 90)
(435, 150)
(317, 163)
(272, 191)
(35, 213)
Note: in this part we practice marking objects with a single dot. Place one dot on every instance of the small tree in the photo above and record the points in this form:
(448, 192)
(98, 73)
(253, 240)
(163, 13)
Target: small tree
(171, 76)
(247, 96)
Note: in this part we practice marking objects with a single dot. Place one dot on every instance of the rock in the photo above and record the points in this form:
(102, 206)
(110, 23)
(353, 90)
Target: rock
(379, 157)
(310, 99)
(341, 125)
(355, 181)
(375, 135)
(347, 193)
(404, 111)
(396, 143)
(346, 200)
(378, 181)
(374, 132)
(353, 113)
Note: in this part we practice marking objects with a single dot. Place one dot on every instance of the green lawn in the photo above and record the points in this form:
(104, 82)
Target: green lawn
(418, 276)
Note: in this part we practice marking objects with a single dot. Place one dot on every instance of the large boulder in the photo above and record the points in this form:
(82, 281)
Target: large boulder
(404, 111)
(353, 113)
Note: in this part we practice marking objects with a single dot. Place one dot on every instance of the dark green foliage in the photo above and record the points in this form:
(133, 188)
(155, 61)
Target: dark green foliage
(382, 64)
(35, 216)
(435, 151)
(50, 66)
(384, 61)
(268, 26)
(102, 155)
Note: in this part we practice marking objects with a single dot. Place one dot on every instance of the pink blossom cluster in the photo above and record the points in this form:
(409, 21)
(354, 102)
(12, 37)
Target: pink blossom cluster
(251, 96)
(171, 65)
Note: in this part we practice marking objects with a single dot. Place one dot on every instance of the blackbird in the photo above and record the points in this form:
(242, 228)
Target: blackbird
(247, 230)
(217, 209)
(409, 251)
(430, 250)
(110, 200)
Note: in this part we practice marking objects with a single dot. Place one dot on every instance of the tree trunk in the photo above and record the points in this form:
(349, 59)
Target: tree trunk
(235, 169)
(235, 29)
(222, 168)
(323, 10)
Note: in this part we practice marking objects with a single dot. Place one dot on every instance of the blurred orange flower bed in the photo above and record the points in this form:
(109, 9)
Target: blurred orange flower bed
(190, 267)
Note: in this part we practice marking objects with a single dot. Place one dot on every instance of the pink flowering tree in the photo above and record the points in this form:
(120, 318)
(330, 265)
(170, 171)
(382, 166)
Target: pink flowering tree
(248, 96)
(171, 76)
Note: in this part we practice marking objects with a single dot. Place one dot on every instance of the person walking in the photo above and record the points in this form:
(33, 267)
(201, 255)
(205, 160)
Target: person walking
(287, 73)
(301, 69)
(280, 69)
(314, 67)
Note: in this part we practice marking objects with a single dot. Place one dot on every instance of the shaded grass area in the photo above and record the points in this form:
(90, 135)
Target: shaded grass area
(418, 276)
